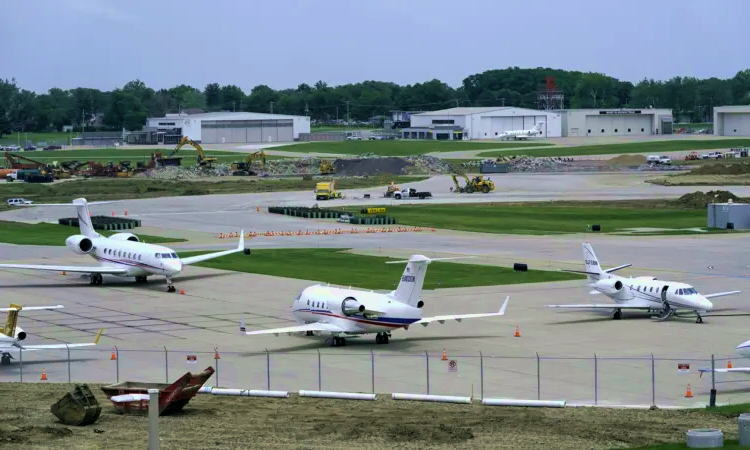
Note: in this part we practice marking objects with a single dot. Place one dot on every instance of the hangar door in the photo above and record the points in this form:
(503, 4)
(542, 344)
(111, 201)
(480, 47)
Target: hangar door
(246, 131)
(625, 125)
(737, 124)
(499, 125)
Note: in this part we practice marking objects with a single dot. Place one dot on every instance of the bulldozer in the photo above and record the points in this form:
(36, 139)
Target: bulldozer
(475, 184)
(170, 160)
(245, 167)
(392, 189)
(326, 167)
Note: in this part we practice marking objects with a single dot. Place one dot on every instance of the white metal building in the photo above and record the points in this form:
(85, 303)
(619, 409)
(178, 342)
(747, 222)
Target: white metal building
(616, 122)
(479, 123)
(732, 120)
(234, 127)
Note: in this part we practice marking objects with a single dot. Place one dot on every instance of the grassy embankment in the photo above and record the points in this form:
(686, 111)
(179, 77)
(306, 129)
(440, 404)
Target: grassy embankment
(724, 173)
(370, 272)
(244, 422)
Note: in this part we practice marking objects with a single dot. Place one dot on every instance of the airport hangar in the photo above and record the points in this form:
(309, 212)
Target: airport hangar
(232, 127)
(479, 123)
(732, 120)
(615, 122)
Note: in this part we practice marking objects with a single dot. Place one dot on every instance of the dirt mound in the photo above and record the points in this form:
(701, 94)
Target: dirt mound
(33, 435)
(370, 166)
(722, 169)
(627, 160)
(700, 199)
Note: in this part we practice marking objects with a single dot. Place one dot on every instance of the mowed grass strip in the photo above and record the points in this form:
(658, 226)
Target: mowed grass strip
(369, 272)
(51, 234)
(115, 155)
(548, 218)
(400, 147)
(95, 189)
(655, 147)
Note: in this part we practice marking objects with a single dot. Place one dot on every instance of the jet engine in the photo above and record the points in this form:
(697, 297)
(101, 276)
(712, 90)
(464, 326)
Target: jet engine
(609, 286)
(79, 244)
(125, 237)
(20, 334)
(350, 306)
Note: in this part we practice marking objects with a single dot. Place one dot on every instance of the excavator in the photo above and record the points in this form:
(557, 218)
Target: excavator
(476, 184)
(326, 167)
(203, 160)
(245, 167)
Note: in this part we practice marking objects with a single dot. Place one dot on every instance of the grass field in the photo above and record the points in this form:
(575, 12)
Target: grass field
(370, 272)
(52, 234)
(34, 138)
(656, 147)
(549, 218)
(223, 422)
(400, 147)
(121, 189)
(702, 180)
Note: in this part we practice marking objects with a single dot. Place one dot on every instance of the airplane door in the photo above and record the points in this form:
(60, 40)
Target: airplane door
(664, 294)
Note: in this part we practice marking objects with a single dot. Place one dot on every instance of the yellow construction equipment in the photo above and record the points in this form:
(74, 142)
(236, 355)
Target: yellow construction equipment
(476, 184)
(203, 160)
(392, 189)
(326, 167)
(327, 190)
(245, 167)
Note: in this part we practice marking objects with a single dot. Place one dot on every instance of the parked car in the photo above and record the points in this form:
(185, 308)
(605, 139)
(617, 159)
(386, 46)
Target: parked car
(712, 155)
(53, 147)
(30, 148)
(18, 202)
(656, 159)
(353, 138)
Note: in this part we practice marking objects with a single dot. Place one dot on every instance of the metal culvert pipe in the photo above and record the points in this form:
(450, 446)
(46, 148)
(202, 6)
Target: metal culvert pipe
(705, 438)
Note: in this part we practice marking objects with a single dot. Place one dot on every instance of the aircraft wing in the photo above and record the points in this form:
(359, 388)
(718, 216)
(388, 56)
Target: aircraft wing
(732, 370)
(82, 269)
(27, 348)
(721, 294)
(459, 317)
(199, 258)
(31, 308)
(297, 329)
(601, 306)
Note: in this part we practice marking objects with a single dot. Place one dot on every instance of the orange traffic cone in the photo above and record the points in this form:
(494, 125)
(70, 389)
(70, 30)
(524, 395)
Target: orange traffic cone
(257, 209)
(182, 291)
(64, 273)
(114, 356)
(216, 353)
(517, 333)
(689, 393)
(126, 212)
(729, 364)
(44, 374)
(113, 214)
(445, 356)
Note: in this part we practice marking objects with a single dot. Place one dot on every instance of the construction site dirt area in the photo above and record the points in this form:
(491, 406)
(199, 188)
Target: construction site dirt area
(211, 421)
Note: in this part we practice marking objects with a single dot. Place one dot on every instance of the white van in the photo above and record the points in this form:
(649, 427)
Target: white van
(18, 202)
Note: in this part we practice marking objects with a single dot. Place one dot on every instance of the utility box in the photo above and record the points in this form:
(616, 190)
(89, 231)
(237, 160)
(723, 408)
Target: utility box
(729, 215)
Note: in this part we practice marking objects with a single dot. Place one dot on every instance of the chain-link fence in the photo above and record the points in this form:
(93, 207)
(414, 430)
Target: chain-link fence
(594, 380)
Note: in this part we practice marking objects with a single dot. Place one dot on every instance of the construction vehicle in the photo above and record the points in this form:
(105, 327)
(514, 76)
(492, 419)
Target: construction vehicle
(392, 189)
(15, 161)
(412, 193)
(327, 190)
(326, 167)
(693, 156)
(170, 160)
(476, 184)
(245, 167)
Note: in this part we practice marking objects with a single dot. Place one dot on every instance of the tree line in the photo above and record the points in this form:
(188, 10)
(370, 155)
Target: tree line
(690, 98)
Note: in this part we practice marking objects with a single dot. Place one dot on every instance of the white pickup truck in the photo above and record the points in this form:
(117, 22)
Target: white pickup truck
(712, 155)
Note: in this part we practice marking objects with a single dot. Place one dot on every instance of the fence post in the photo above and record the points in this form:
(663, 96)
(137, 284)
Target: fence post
(481, 375)
(653, 381)
(712, 399)
(268, 370)
(372, 369)
(117, 368)
(68, 348)
(166, 364)
(596, 380)
(320, 378)
(20, 361)
(153, 419)
(538, 378)
(427, 360)
(216, 363)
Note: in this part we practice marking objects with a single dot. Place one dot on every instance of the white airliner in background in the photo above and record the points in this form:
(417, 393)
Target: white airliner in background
(641, 293)
(341, 313)
(744, 351)
(12, 335)
(121, 254)
(522, 134)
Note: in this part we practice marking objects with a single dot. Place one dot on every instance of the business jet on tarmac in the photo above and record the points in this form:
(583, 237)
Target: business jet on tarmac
(641, 293)
(342, 313)
(522, 135)
(121, 254)
(744, 351)
(12, 335)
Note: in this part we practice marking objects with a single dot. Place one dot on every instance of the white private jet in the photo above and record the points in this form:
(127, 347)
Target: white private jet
(342, 313)
(744, 351)
(522, 134)
(121, 254)
(641, 293)
(12, 335)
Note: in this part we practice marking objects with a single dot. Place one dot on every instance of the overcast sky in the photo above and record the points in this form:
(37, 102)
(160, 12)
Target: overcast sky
(105, 43)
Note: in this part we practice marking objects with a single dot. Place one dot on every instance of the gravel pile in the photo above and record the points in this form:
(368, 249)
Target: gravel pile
(528, 164)
(660, 168)
(186, 172)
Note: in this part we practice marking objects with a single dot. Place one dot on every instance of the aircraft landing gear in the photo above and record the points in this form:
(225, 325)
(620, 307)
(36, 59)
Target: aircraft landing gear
(617, 315)
(309, 333)
(141, 279)
(382, 338)
(170, 286)
(698, 318)
(338, 341)
(96, 278)
(5, 359)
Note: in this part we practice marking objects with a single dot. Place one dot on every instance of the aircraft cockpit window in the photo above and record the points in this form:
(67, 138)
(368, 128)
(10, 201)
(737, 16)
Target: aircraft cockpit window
(679, 291)
(174, 255)
(157, 255)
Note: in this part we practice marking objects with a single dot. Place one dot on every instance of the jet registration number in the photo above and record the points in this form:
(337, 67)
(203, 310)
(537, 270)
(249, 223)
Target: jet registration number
(408, 278)
(589, 262)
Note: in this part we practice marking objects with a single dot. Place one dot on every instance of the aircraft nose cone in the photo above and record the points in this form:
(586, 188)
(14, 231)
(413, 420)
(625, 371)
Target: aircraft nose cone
(706, 304)
(174, 267)
(743, 349)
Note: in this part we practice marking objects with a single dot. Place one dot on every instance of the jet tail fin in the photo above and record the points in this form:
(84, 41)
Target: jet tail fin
(590, 261)
(409, 289)
(10, 324)
(84, 215)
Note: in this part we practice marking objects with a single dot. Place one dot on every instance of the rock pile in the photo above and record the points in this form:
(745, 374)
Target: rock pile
(186, 172)
(529, 164)
(700, 199)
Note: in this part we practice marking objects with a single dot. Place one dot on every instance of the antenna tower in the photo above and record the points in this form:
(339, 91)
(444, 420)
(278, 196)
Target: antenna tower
(550, 97)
